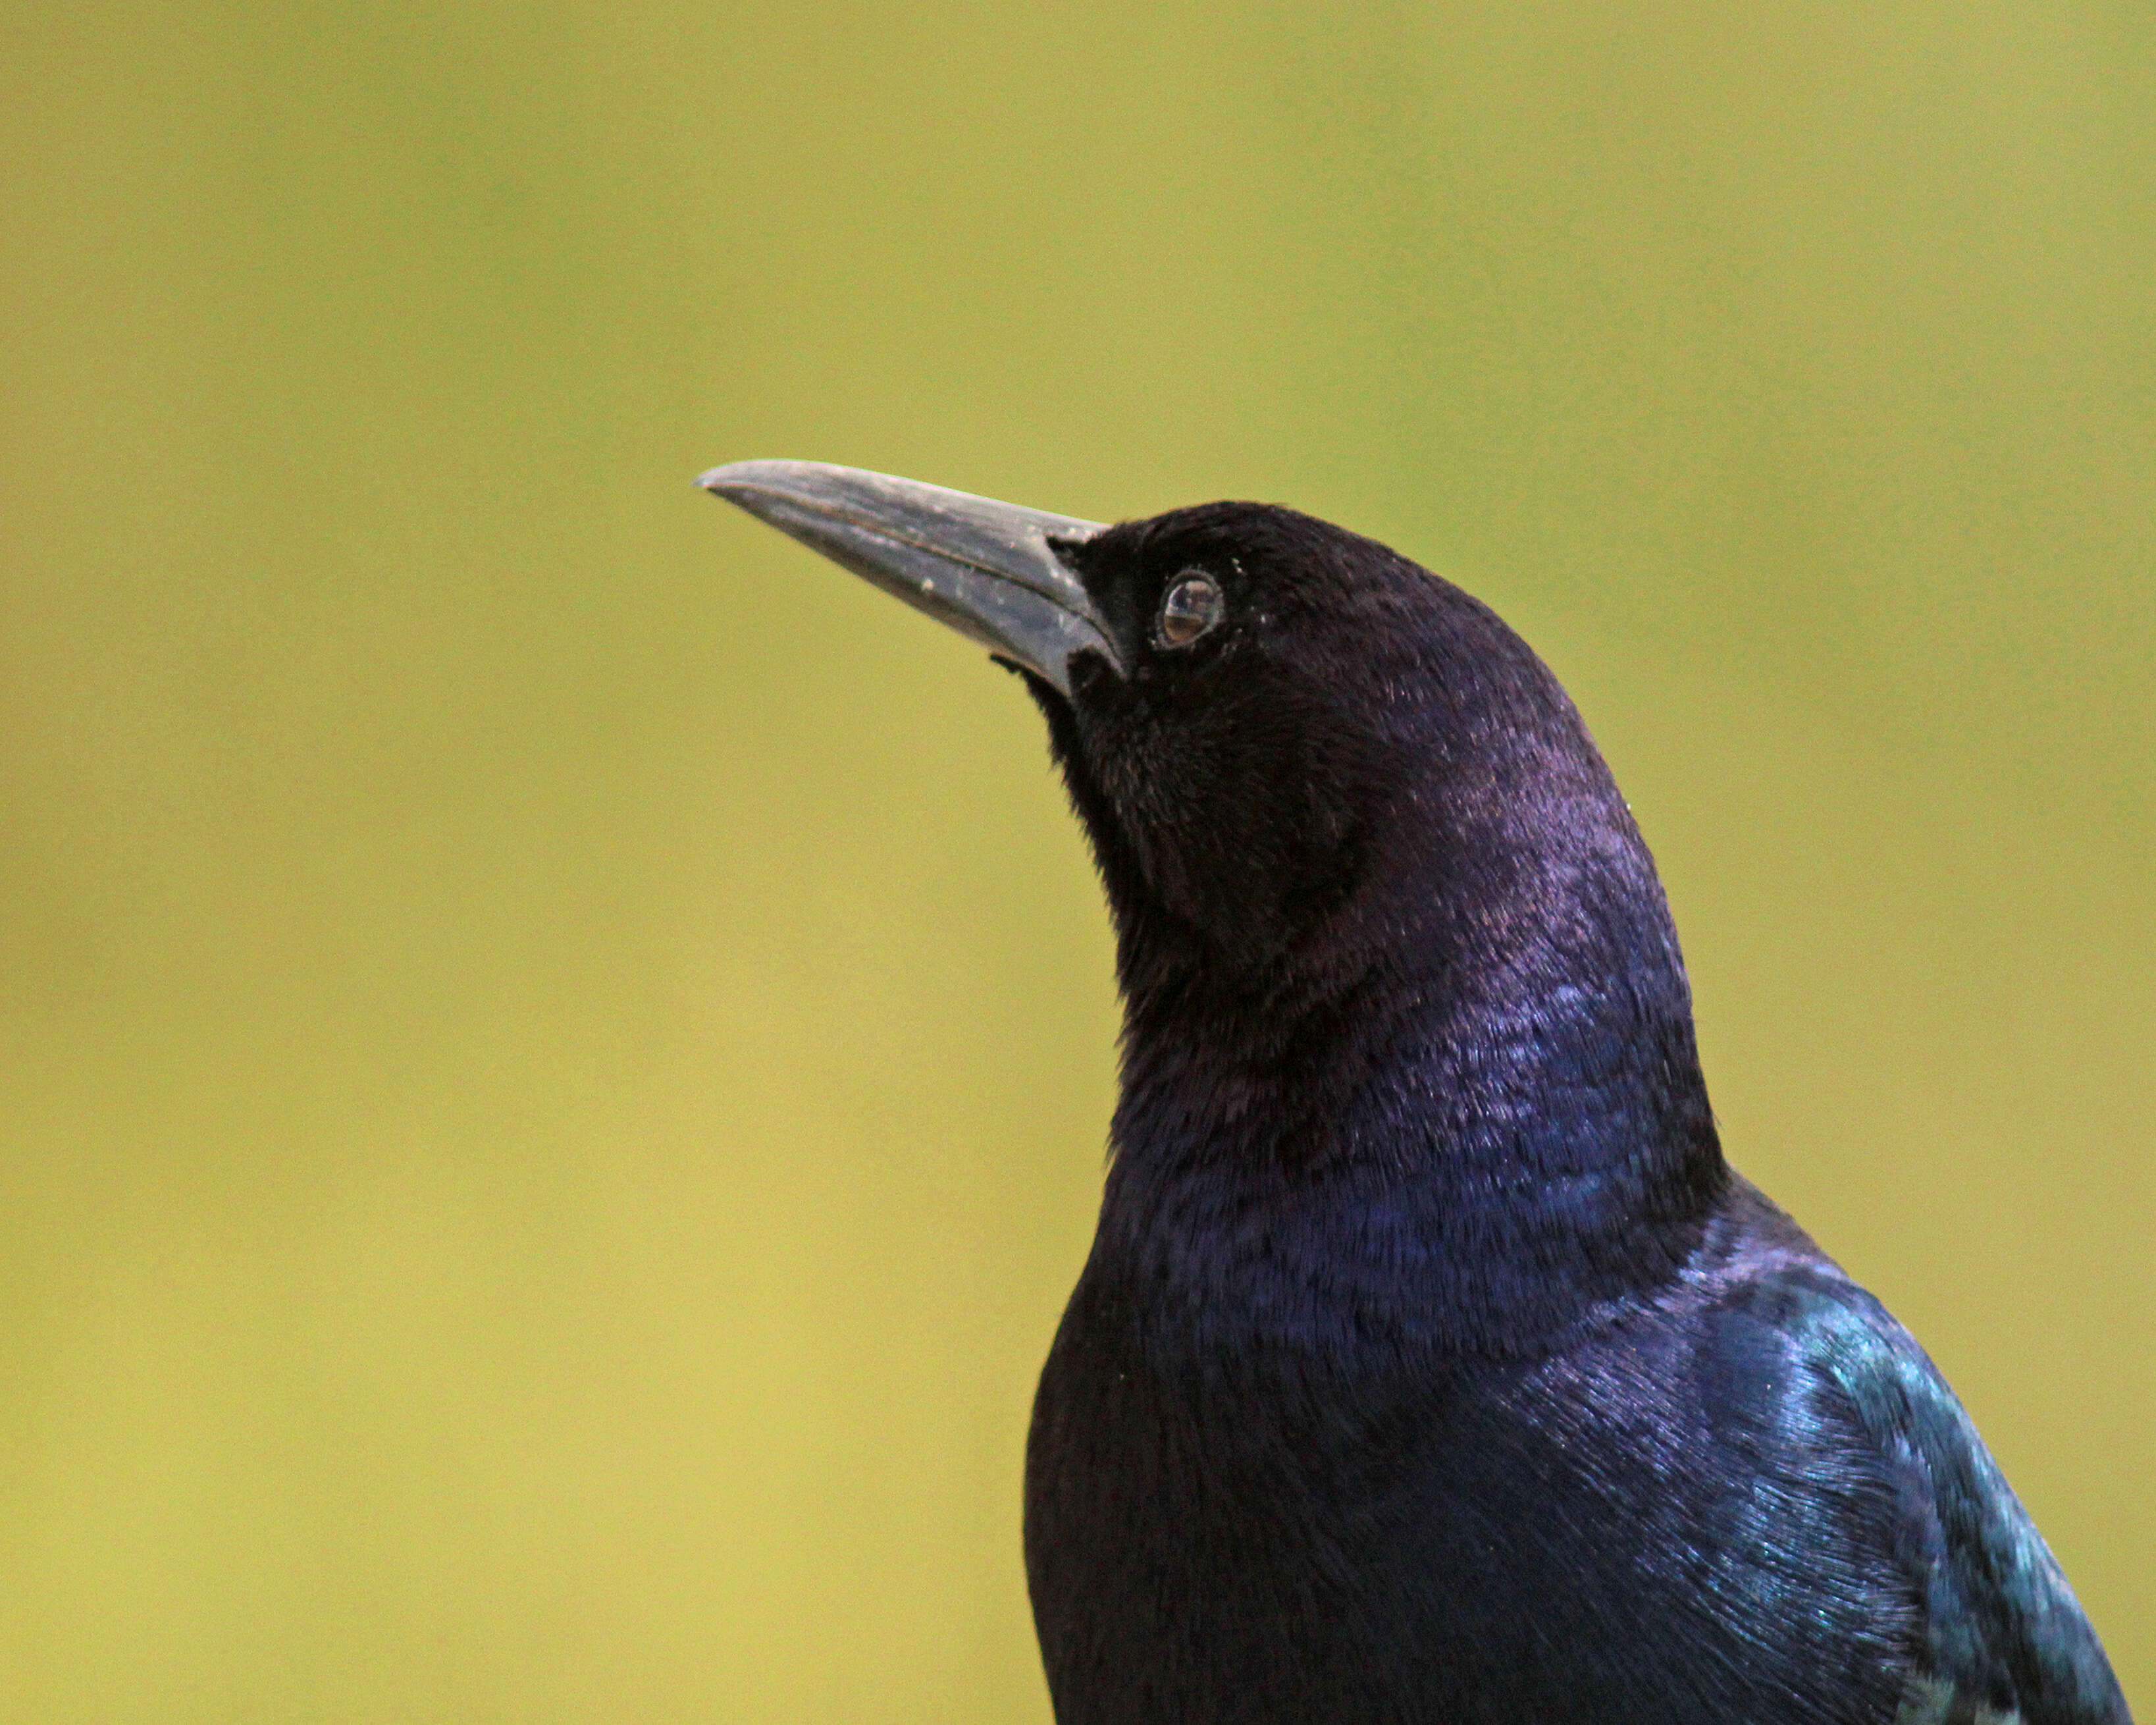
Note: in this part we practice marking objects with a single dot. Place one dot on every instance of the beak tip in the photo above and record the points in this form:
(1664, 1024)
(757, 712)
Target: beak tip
(716, 479)
(734, 477)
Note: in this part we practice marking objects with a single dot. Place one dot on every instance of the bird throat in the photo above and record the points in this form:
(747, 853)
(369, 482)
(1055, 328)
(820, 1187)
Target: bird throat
(1476, 1157)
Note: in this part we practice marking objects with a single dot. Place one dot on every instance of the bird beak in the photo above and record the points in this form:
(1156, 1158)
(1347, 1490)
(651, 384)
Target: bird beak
(990, 570)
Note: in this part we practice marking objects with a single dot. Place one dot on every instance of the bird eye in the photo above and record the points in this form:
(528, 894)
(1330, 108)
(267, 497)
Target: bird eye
(1193, 606)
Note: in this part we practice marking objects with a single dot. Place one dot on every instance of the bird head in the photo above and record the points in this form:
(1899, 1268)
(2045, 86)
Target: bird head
(1298, 754)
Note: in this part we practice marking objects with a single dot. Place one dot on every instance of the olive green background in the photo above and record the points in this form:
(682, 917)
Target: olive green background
(555, 1050)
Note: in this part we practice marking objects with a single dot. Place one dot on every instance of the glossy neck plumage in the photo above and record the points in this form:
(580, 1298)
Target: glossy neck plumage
(1463, 1110)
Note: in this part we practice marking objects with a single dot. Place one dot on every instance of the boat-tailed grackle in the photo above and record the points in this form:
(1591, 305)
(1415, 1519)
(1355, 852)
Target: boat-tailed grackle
(1430, 1363)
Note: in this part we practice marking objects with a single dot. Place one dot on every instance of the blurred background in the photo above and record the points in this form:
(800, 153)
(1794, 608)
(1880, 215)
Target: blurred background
(555, 1048)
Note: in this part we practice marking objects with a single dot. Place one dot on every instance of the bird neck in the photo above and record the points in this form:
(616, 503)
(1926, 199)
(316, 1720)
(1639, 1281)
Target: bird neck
(1473, 1134)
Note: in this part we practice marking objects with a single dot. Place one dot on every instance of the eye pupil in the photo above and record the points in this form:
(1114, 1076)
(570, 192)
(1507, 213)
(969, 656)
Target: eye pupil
(1193, 606)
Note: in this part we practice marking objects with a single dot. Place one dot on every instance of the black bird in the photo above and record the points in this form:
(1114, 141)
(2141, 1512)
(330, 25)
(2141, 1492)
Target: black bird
(1430, 1365)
